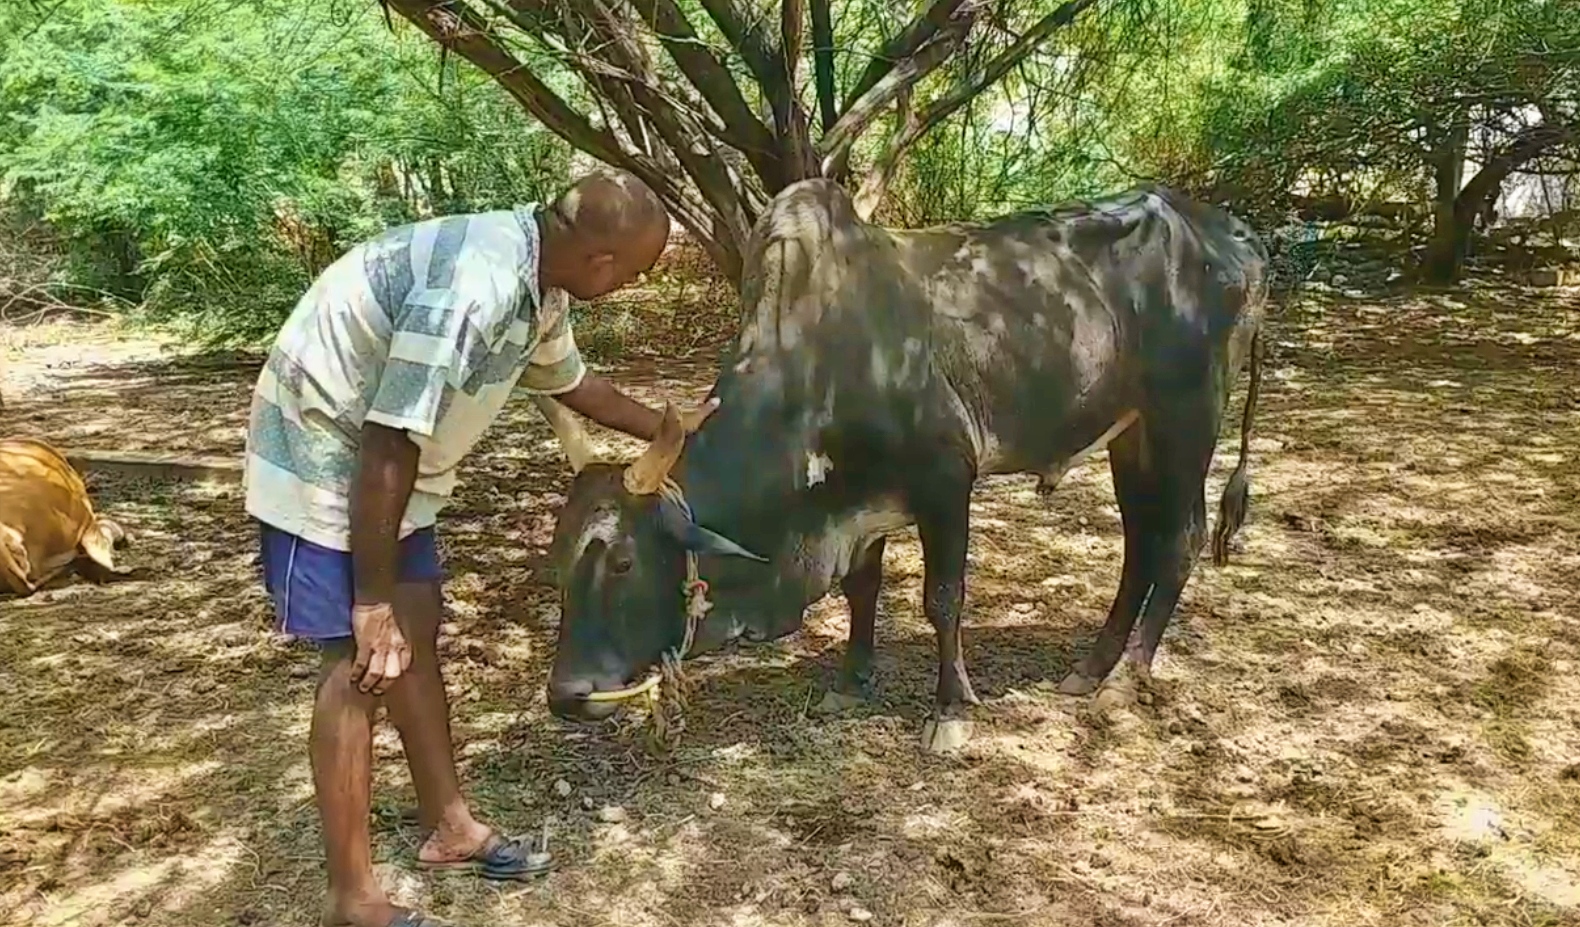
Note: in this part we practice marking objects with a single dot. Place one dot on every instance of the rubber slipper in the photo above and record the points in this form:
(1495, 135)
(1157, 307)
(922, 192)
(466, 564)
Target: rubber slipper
(414, 919)
(503, 859)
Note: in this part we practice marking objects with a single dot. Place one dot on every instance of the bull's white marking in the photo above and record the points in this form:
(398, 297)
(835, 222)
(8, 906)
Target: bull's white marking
(603, 526)
(1114, 431)
(1054, 474)
(817, 467)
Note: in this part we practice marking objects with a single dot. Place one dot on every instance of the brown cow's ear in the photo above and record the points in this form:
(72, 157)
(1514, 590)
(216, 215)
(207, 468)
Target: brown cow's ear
(647, 474)
(116, 534)
(98, 544)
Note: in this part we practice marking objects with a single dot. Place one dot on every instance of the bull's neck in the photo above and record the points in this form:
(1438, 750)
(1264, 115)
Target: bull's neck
(725, 475)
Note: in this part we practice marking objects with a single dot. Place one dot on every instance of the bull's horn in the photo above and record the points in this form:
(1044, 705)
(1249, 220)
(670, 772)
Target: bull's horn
(646, 475)
(573, 438)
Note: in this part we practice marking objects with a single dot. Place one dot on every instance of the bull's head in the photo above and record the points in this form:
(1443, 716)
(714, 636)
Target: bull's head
(619, 557)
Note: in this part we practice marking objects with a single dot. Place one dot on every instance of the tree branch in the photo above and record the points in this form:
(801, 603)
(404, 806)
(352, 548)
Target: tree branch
(876, 184)
(791, 129)
(911, 38)
(684, 135)
(623, 63)
(792, 30)
(858, 118)
(943, 108)
(745, 38)
(742, 129)
(873, 188)
(454, 26)
(461, 30)
(1529, 144)
(823, 62)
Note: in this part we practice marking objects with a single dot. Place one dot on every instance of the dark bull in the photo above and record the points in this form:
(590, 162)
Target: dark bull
(877, 376)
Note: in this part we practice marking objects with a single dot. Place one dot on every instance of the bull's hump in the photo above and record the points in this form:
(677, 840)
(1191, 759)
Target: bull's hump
(808, 211)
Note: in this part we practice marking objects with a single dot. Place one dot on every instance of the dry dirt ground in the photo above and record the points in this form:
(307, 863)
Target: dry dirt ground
(1369, 717)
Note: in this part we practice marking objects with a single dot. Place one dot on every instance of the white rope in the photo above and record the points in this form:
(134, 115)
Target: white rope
(665, 688)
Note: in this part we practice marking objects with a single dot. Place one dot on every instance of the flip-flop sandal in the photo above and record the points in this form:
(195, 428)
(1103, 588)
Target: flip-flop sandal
(414, 919)
(517, 859)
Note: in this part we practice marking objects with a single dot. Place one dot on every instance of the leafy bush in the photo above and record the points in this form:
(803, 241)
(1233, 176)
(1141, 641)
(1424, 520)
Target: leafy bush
(205, 160)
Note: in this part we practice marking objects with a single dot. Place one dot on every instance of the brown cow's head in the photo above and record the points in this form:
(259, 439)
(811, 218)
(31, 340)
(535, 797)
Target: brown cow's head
(619, 559)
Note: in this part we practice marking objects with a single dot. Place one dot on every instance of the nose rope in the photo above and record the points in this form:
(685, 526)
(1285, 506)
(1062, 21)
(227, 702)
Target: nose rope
(695, 590)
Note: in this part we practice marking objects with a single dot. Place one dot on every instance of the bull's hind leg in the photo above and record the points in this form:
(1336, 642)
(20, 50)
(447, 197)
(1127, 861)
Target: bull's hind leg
(943, 522)
(1183, 453)
(861, 588)
(1135, 489)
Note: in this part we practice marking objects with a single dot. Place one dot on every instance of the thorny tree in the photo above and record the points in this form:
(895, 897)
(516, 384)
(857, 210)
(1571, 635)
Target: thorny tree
(707, 100)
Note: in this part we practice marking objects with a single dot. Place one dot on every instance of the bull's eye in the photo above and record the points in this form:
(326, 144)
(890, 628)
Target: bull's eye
(620, 563)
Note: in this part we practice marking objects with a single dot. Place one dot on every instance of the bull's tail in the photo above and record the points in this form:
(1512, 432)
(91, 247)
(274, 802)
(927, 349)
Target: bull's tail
(1237, 492)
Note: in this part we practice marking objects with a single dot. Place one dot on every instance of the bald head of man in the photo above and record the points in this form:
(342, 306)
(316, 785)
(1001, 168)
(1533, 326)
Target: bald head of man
(600, 234)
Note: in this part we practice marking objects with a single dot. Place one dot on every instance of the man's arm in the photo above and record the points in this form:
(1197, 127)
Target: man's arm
(601, 401)
(434, 339)
(555, 369)
(386, 473)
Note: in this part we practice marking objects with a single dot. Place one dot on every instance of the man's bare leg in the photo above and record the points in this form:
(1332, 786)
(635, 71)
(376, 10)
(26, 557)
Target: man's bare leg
(421, 712)
(341, 748)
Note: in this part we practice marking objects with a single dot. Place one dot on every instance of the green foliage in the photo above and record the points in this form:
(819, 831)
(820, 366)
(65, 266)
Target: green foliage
(221, 153)
(1358, 98)
(203, 159)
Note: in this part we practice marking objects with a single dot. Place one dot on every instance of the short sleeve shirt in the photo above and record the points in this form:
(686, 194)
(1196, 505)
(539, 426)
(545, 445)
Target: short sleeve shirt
(426, 328)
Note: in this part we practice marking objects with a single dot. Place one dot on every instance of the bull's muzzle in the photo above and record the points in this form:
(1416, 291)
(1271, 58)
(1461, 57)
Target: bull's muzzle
(575, 699)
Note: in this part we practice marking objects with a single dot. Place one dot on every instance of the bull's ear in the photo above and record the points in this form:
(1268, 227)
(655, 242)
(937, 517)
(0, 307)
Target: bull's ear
(697, 539)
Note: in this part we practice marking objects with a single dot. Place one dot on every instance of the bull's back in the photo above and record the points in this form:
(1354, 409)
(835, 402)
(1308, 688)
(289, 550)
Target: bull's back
(1042, 320)
(1026, 331)
(1033, 318)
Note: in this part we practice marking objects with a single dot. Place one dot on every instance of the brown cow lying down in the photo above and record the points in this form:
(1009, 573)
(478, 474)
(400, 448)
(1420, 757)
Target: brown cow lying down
(47, 524)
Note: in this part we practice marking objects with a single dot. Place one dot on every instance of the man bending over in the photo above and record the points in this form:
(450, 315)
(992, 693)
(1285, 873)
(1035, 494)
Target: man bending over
(385, 376)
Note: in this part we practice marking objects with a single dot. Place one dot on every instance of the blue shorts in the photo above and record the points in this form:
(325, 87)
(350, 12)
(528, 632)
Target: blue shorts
(312, 585)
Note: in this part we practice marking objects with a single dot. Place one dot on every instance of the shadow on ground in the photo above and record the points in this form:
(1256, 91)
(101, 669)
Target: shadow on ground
(1369, 717)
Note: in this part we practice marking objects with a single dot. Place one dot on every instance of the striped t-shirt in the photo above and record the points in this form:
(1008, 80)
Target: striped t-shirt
(426, 328)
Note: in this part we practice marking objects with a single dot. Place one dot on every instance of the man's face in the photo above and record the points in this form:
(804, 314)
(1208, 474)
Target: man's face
(605, 267)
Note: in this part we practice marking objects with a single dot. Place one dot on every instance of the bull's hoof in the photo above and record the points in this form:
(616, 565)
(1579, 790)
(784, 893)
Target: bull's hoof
(835, 702)
(1124, 688)
(1114, 698)
(945, 735)
(1078, 684)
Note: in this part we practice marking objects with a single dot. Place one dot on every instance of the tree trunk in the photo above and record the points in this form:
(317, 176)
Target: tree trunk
(1446, 249)
(1445, 253)
(687, 128)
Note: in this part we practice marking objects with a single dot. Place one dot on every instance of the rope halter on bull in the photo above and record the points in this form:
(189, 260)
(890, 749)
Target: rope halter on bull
(664, 688)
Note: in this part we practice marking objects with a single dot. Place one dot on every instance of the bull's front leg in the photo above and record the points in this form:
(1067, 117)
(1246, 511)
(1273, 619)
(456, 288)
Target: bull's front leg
(861, 588)
(943, 523)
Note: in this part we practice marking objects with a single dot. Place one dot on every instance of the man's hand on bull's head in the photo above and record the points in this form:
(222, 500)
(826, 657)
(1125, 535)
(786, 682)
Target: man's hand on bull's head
(649, 474)
(622, 544)
(693, 420)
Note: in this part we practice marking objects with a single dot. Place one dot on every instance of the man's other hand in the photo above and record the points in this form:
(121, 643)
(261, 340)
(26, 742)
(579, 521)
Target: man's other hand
(383, 652)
